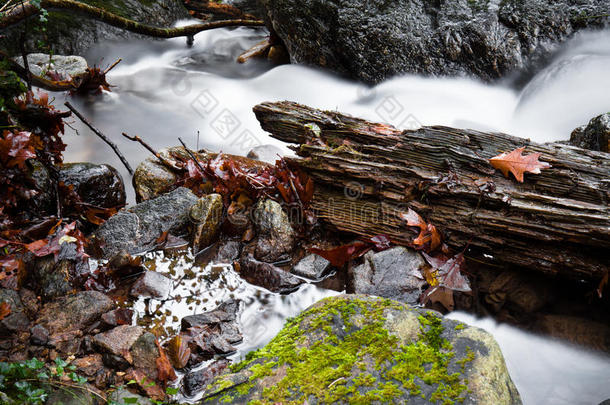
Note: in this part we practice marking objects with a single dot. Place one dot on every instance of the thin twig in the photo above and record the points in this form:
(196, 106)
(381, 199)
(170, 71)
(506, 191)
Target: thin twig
(191, 155)
(164, 161)
(109, 68)
(102, 136)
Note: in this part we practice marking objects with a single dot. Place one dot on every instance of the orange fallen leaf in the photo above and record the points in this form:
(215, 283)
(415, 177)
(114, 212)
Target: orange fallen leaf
(517, 163)
(427, 232)
(5, 310)
(164, 367)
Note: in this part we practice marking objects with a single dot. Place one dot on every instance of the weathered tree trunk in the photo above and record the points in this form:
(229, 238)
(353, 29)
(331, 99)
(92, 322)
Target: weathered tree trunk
(556, 222)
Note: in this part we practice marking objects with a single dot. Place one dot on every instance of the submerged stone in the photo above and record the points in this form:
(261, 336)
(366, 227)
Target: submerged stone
(361, 349)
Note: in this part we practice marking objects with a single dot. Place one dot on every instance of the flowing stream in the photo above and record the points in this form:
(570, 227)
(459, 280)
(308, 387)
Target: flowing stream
(164, 90)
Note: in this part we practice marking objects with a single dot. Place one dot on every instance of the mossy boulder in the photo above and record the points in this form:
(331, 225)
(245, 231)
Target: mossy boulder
(361, 349)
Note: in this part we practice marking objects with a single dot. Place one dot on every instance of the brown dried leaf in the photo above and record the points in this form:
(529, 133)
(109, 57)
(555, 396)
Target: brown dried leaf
(164, 367)
(518, 164)
(178, 351)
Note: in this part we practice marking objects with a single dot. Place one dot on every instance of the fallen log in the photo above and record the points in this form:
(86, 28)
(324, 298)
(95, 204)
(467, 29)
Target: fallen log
(23, 10)
(366, 174)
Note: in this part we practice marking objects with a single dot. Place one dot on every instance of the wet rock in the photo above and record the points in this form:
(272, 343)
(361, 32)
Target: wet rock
(74, 312)
(265, 153)
(151, 178)
(66, 66)
(311, 266)
(119, 340)
(576, 330)
(373, 41)
(119, 316)
(44, 202)
(39, 335)
(364, 349)
(17, 320)
(268, 276)
(99, 185)
(69, 33)
(227, 252)
(66, 343)
(392, 273)
(151, 285)
(88, 365)
(145, 353)
(123, 396)
(275, 234)
(594, 136)
(71, 395)
(206, 217)
(213, 332)
(195, 381)
(53, 279)
(226, 312)
(137, 229)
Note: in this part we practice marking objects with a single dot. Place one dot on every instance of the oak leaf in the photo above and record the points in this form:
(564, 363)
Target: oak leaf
(427, 232)
(517, 163)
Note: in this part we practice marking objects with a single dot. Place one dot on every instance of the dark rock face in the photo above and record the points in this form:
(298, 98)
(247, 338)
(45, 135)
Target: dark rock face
(268, 276)
(137, 229)
(595, 135)
(99, 185)
(16, 320)
(374, 40)
(393, 273)
(71, 34)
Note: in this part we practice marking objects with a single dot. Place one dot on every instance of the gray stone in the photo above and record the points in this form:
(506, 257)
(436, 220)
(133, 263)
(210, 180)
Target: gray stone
(71, 33)
(145, 353)
(206, 217)
(71, 395)
(362, 349)
(392, 273)
(122, 393)
(374, 40)
(151, 285)
(137, 229)
(66, 66)
(595, 135)
(275, 234)
(39, 335)
(99, 185)
(74, 312)
(227, 252)
(119, 340)
(152, 178)
(311, 266)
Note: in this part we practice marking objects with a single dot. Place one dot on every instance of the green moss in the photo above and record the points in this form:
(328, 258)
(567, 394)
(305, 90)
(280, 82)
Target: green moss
(460, 326)
(332, 369)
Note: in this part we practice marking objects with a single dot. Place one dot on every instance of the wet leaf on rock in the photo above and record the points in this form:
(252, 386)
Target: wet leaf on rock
(178, 351)
(518, 164)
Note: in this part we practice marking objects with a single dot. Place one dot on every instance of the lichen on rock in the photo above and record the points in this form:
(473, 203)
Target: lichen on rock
(361, 349)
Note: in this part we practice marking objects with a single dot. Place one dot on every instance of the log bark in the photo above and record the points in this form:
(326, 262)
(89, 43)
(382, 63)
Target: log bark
(556, 222)
(19, 12)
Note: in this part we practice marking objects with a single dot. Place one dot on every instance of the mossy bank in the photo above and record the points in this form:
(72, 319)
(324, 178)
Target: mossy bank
(359, 349)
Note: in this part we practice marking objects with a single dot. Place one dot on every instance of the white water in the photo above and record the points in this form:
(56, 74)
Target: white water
(164, 90)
